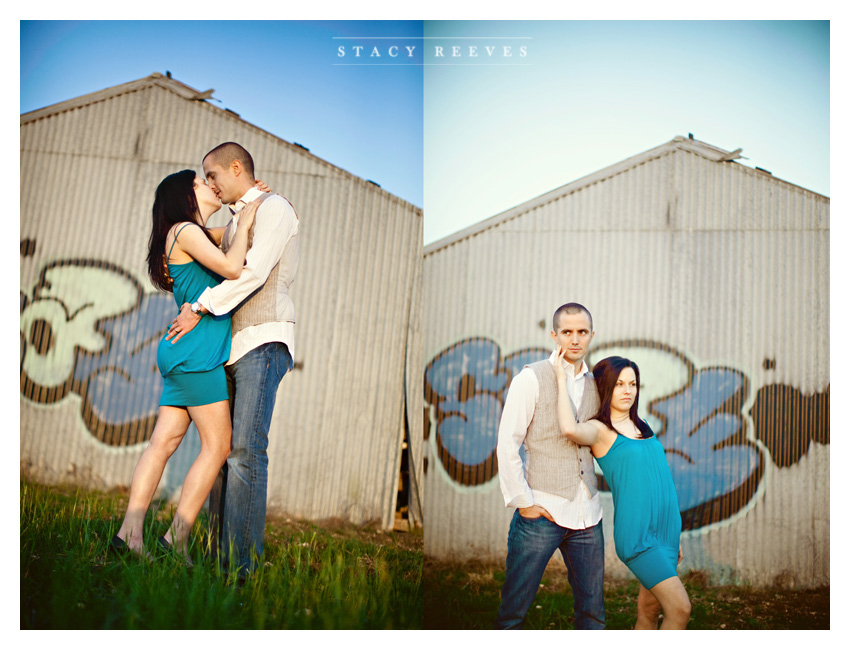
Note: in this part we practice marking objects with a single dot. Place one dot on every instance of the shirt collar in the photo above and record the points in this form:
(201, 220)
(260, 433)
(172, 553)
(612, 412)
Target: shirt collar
(249, 196)
(570, 368)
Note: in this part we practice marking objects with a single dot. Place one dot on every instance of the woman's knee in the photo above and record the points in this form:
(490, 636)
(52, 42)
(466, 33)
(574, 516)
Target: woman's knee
(220, 448)
(680, 608)
(163, 446)
(674, 600)
(686, 607)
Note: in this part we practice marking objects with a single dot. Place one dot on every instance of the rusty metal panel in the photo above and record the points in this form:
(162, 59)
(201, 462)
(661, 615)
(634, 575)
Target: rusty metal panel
(714, 278)
(90, 320)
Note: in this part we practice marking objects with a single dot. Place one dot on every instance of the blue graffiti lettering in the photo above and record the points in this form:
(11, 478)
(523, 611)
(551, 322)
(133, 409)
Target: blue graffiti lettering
(704, 460)
(124, 383)
(90, 328)
(468, 383)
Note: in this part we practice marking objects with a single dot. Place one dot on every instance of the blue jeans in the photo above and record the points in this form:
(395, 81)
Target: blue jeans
(531, 544)
(239, 496)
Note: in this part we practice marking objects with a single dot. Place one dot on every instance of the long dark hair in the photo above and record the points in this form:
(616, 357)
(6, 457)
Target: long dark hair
(606, 373)
(174, 202)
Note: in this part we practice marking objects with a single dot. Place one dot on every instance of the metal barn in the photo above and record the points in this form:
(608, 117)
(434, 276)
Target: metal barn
(714, 278)
(90, 319)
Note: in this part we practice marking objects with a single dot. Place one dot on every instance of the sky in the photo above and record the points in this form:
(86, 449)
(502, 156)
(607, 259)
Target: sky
(366, 120)
(466, 137)
(589, 94)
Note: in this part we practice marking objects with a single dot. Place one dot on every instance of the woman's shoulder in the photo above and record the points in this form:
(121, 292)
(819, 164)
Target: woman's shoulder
(603, 430)
(172, 242)
(605, 441)
(173, 236)
(177, 228)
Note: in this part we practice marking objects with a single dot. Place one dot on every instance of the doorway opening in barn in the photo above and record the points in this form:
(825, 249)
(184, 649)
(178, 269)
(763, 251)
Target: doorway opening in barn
(402, 503)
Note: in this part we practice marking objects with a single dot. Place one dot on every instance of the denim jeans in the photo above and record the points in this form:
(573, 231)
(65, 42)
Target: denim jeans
(531, 544)
(239, 497)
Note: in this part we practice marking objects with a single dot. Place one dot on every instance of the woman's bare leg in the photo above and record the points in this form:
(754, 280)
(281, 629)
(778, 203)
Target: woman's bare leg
(674, 602)
(214, 429)
(648, 610)
(171, 425)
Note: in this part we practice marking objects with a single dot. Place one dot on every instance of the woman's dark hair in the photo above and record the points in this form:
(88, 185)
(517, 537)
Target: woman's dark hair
(174, 202)
(606, 373)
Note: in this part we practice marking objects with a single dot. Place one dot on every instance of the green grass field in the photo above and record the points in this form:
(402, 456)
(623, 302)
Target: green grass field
(313, 577)
(316, 577)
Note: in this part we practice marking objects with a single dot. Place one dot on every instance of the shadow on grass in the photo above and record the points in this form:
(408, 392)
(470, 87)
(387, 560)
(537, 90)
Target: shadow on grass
(467, 596)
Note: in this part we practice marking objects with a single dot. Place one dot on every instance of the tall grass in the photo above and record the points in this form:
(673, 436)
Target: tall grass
(311, 578)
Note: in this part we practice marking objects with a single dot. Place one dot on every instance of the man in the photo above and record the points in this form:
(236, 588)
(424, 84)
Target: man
(263, 324)
(555, 496)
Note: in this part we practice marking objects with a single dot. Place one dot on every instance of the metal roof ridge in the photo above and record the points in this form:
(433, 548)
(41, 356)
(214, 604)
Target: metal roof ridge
(187, 92)
(698, 147)
(112, 91)
(558, 192)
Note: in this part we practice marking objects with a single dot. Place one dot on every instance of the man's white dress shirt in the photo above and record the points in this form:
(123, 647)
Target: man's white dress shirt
(584, 510)
(274, 225)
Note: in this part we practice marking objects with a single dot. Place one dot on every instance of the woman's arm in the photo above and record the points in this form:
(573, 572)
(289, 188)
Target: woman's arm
(581, 433)
(229, 265)
(217, 234)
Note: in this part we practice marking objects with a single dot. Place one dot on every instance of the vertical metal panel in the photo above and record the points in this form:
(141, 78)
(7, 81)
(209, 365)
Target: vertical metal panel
(89, 171)
(714, 278)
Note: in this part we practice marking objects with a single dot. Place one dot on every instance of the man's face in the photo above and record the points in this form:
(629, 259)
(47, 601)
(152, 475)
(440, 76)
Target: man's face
(574, 336)
(222, 181)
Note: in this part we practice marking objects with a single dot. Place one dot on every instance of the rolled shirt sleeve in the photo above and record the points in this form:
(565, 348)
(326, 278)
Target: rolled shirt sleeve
(516, 416)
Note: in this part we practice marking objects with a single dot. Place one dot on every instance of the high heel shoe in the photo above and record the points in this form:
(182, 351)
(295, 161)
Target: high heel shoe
(118, 545)
(165, 547)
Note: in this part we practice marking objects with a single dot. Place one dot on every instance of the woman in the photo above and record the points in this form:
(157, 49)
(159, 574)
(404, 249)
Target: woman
(647, 523)
(195, 385)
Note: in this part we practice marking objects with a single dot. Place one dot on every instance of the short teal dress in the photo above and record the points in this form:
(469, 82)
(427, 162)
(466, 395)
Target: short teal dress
(647, 523)
(193, 368)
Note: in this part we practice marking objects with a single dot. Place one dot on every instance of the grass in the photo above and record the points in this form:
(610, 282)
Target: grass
(334, 577)
(467, 596)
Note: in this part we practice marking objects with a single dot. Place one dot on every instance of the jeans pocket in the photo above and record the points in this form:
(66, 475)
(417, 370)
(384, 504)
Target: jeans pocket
(283, 360)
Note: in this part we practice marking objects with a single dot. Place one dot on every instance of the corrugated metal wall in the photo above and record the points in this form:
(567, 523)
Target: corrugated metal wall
(90, 320)
(712, 276)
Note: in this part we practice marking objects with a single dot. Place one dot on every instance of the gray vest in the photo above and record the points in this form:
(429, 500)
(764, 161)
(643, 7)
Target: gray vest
(554, 463)
(270, 302)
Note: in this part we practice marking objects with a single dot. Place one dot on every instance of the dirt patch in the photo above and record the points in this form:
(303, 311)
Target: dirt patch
(277, 524)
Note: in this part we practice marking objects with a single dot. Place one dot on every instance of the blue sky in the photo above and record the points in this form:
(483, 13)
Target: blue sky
(589, 94)
(463, 139)
(364, 119)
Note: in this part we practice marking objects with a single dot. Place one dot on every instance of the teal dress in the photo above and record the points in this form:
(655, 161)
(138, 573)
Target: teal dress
(193, 368)
(647, 523)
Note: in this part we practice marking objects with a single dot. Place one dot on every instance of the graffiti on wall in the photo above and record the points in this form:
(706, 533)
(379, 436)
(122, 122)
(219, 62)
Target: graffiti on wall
(88, 327)
(698, 415)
